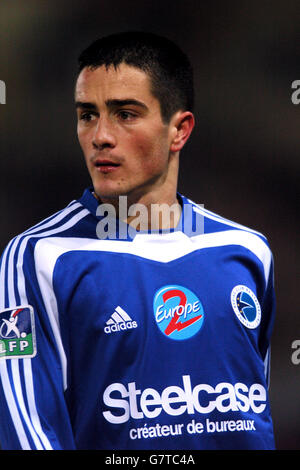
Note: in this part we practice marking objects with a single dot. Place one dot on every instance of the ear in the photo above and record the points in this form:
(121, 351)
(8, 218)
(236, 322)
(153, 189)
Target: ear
(182, 125)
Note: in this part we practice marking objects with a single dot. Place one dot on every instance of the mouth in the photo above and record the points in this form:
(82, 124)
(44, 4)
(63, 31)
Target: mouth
(106, 166)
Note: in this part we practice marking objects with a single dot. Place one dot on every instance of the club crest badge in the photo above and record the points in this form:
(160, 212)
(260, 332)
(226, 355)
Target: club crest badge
(246, 306)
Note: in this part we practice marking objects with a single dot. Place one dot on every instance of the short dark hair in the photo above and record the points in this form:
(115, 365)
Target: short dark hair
(168, 67)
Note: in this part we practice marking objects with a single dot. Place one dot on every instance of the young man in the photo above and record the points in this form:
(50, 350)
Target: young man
(122, 328)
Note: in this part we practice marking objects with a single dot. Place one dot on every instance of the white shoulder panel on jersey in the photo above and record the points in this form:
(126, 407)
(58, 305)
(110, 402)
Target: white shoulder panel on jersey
(162, 248)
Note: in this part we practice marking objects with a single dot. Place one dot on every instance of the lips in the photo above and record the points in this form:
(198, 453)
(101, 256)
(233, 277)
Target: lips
(105, 165)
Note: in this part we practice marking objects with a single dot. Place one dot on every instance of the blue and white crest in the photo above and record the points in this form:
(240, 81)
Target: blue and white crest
(246, 306)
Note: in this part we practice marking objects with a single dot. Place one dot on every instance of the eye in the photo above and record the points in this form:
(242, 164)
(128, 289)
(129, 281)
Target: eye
(126, 115)
(87, 116)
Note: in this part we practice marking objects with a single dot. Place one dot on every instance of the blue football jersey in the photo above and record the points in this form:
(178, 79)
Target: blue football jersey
(135, 340)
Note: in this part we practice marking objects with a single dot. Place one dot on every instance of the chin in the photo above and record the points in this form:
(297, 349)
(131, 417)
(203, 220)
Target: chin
(112, 193)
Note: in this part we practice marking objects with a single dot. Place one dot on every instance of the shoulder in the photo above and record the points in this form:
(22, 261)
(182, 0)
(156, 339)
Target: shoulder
(218, 231)
(215, 222)
(62, 223)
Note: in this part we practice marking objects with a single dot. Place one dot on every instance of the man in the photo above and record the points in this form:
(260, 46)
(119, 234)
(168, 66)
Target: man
(136, 330)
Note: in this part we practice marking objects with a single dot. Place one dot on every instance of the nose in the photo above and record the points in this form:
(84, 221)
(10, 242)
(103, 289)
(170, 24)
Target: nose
(104, 136)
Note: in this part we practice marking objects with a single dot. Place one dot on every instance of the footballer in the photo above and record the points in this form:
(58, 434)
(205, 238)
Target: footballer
(118, 333)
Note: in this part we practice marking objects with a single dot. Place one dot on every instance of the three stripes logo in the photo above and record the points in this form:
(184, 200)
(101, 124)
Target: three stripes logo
(119, 321)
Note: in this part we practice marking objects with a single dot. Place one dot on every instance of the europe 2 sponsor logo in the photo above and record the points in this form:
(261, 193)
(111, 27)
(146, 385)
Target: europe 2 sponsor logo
(178, 312)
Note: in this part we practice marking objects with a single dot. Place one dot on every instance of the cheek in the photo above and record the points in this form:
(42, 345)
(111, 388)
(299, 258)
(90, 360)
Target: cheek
(85, 137)
(81, 139)
(150, 151)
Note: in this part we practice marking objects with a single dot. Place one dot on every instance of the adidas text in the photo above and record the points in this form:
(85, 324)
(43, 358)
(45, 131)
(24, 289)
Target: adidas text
(120, 326)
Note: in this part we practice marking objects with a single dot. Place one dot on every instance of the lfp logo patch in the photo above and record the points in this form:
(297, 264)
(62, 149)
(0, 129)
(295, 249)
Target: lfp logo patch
(17, 332)
(178, 312)
(246, 306)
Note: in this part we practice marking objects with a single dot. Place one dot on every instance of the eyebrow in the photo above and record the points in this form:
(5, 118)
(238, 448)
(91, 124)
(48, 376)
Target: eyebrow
(81, 104)
(112, 104)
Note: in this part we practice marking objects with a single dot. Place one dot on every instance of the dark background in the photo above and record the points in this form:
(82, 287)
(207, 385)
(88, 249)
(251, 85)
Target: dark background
(241, 162)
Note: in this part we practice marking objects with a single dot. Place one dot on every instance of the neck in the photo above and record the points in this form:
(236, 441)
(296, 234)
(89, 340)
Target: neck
(155, 209)
(147, 213)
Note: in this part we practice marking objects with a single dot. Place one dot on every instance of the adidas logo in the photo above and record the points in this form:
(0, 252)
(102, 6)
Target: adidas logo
(119, 320)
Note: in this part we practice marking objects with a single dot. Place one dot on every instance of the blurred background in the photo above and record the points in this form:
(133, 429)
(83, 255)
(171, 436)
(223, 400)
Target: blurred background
(241, 162)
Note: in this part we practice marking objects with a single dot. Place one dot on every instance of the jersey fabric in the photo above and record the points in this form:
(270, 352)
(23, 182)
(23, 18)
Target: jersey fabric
(154, 340)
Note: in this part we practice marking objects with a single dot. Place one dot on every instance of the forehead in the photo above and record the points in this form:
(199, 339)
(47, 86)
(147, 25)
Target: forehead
(109, 83)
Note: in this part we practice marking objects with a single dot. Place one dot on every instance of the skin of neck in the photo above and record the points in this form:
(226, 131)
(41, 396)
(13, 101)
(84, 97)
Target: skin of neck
(161, 208)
